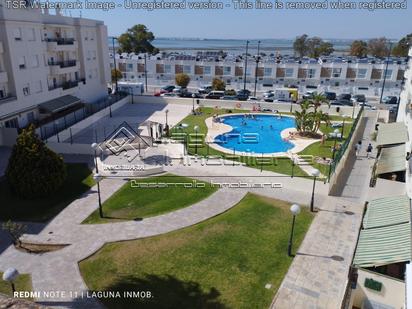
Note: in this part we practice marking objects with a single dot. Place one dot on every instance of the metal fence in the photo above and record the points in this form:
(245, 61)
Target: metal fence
(339, 153)
(61, 123)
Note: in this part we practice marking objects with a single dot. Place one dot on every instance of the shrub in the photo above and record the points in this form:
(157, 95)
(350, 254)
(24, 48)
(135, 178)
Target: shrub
(218, 84)
(182, 80)
(33, 169)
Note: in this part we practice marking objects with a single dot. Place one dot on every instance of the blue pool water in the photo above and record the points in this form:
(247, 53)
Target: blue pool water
(259, 135)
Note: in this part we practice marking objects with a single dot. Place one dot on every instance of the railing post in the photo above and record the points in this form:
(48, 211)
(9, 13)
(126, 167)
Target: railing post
(71, 136)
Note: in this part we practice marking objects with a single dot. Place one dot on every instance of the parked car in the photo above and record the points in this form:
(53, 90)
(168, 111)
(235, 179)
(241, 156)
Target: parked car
(205, 89)
(308, 95)
(330, 95)
(243, 95)
(164, 89)
(390, 100)
(366, 105)
(169, 94)
(215, 94)
(393, 109)
(268, 96)
(345, 96)
(359, 98)
(253, 99)
(188, 94)
(179, 90)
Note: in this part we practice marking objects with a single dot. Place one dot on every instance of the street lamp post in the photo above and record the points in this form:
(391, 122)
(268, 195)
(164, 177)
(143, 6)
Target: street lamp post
(114, 62)
(244, 79)
(257, 66)
(193, 103)
(97, 177)
(295, 210)
(386, 70)
(343, 125)
(196, 128)
(315, 173)
(336, 134)
(166, 112)
(10, 275)
(94, 147)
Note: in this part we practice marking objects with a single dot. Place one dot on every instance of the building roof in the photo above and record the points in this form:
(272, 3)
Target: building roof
(383, 246)
(391, 159)
(59, 104)
(391, 133)
(387, 211)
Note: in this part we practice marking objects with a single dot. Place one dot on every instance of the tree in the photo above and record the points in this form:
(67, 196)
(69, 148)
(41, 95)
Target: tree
(300, 46)
(401, 49)
(218, 84)
(182, 79)
(378, 47)
(359, 49)
(15, 231)
(309, 118)
(312, 47)
(34, 170)
(116, 75)
(137, 39)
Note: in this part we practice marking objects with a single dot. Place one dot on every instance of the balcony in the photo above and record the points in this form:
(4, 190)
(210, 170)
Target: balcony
(67, 85)
(63, 67)
(3, 77)
(60, 44)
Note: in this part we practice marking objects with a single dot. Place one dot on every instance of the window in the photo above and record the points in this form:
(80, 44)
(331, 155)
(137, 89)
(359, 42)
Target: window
(187, 69)
(30, 117)
(31, 35)
(12, 123)
(22, 63)
(129, 67)
(17, 34)
(94, 54)
(267, 72)
(311, 73)
(38, 87)
(34, 61)
(361, 73)
(89, 55)
(207, 70)
(227, 70)
(26, 90)
(336, 72)
(168, 69)
(388, 74)
(288, 72)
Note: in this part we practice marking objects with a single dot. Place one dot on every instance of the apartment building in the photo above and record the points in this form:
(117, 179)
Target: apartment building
(48, 63)
(332, 73)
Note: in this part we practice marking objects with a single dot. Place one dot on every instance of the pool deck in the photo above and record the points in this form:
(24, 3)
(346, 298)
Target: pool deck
(217, 128)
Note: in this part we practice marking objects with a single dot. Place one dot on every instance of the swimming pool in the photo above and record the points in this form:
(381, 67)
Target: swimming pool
(260, 134)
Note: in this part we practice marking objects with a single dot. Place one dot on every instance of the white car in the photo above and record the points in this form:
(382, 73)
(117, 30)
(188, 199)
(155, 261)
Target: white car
(253, 99)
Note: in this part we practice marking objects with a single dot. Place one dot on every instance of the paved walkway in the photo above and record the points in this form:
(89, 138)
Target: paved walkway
(319, 272)
(58, 271)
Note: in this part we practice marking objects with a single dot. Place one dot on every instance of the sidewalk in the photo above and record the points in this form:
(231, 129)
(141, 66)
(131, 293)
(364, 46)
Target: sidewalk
(318, 275)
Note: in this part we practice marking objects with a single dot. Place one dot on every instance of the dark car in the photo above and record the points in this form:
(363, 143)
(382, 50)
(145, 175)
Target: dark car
(330, 95)
(189, 94)
(390, 100)
(243, 95)
(229, 97)
(215, 94)
(344, 96)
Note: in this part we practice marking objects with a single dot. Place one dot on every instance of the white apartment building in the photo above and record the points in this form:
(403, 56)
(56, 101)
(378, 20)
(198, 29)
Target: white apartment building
(334, 74)
(44, 57)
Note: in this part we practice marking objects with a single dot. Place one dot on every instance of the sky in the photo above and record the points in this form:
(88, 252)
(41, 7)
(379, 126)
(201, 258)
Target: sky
(229, 23)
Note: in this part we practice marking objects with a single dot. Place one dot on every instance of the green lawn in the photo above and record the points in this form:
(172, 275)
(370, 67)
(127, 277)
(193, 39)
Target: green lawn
(22, 283)
(224, 262)
(130, 203)
(280, 165)
(79, 180)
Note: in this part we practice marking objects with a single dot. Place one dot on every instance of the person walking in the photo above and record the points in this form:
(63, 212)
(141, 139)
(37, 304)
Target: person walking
(369, 150)
(358, 148)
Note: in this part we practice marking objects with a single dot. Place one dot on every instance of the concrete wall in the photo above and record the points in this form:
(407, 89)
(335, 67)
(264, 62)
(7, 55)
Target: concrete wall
(282, 107)
(344, 167)
(8, 136)
(392, 293)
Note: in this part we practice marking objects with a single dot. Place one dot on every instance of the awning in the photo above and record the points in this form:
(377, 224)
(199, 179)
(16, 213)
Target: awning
(387, 211)
(392, 159)
(383, 246)
(391, 133)
(58, 104)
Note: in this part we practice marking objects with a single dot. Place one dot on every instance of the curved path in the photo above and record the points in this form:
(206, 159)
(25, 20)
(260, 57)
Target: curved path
(59, 271)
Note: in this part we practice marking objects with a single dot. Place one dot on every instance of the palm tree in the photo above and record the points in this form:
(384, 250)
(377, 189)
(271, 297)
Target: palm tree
(309, 119)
